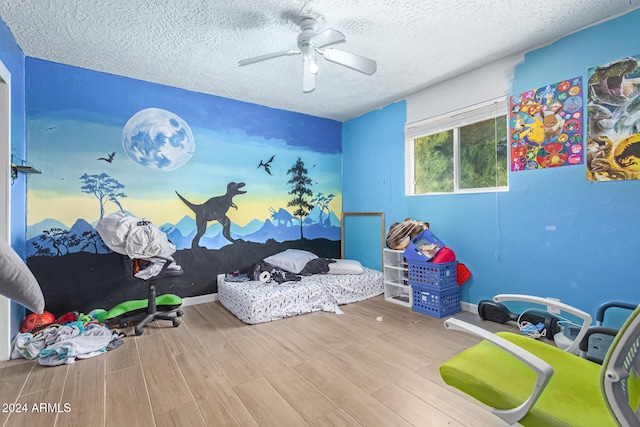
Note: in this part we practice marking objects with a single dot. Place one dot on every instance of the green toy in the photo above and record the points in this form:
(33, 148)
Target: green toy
(98, 314)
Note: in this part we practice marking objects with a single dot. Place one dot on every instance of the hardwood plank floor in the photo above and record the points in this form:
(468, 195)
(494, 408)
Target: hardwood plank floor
(319, 369)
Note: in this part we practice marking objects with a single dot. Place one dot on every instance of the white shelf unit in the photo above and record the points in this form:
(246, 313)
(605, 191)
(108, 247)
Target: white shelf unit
(396, 287)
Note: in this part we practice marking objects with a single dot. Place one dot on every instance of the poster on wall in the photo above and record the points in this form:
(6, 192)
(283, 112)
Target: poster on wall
(613, 114)
(545, 126)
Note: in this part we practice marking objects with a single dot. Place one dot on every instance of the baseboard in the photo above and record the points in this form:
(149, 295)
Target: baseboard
(200, 299)
(467, 306)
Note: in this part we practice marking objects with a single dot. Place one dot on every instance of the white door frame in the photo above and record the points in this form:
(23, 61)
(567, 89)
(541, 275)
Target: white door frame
(5, 197)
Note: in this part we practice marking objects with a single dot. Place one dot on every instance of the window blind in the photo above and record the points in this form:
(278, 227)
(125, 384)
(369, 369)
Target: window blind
(454, 119)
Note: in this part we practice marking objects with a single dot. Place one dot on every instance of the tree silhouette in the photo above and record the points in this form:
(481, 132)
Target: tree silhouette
(104, 188)
(58, 238)
(322, 202)
(90, 238)
(41, 250)
(301, 183)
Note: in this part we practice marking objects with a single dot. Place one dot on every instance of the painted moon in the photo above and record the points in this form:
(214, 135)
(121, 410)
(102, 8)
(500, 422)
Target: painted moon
(158, 139)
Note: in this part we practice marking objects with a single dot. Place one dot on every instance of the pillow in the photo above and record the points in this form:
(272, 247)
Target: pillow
(292, 260)
(17, 282)
(346, 266)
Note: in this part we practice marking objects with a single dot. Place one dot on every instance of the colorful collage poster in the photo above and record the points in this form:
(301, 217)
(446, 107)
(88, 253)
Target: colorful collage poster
(613, 114)
(545, 126)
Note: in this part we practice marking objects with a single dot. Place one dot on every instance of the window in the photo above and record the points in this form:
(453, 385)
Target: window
(462, 152)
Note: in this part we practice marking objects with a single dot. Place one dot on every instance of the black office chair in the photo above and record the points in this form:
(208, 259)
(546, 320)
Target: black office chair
(596, 342)
(163, 307)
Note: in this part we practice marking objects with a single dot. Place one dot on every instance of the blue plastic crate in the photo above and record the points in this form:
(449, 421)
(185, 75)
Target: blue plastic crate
(423, 247)
(438, 276)
(436, 303)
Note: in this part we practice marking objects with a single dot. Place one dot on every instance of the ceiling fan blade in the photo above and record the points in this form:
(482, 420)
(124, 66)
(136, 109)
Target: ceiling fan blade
(327, 37)
(308, 77)
(267, 56)
(351, 60)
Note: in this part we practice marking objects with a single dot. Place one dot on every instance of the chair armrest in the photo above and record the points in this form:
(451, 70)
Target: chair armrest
(611, 304)
(585, 317)
(543, 370)
(584, 344)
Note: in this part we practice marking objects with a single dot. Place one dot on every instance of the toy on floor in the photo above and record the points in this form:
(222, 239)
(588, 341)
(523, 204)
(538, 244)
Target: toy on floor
(35, 320)
(499, 313)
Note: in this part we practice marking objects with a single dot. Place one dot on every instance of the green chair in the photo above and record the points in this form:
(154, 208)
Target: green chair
(535, 383)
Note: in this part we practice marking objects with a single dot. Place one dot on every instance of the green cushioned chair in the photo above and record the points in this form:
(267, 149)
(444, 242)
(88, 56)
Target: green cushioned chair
(142, 312)
(537, 384)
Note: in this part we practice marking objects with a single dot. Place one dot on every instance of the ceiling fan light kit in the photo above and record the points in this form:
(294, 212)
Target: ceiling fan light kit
(310, 42)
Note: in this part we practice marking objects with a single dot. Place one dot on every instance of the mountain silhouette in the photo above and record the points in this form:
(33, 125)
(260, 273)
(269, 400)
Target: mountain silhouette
(182, 233)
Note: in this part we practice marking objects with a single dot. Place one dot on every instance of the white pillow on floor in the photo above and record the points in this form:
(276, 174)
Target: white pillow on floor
(346, 266)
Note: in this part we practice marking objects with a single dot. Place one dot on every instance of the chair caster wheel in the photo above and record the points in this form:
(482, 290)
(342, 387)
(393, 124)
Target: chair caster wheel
(176, 323)
(179, 313)
(138, 331)
(124, 324)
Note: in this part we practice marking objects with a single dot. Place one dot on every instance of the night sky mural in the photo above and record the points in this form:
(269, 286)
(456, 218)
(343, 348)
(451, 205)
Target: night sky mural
(228, 182)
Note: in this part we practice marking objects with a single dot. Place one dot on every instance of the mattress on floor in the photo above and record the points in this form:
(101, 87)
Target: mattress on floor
(258, 302)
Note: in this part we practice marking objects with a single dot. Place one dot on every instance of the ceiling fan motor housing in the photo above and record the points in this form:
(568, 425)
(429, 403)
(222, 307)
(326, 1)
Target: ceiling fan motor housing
(308, 28)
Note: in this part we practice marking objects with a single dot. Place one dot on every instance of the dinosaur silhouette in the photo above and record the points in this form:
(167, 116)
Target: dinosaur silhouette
(267, 165)
(214, 209)
(108, 160)
(630, 154)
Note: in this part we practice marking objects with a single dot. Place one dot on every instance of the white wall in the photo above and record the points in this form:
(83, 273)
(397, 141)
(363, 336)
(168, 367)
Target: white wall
(477, 86)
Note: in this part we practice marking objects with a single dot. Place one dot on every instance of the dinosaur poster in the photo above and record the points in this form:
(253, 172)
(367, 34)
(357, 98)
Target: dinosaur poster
(613, 113)
(545, 126)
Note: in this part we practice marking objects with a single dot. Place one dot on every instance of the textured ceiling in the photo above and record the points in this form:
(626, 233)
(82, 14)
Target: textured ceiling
(196, 44)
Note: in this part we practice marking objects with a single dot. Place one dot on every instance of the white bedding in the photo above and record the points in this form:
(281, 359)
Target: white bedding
(258, 302)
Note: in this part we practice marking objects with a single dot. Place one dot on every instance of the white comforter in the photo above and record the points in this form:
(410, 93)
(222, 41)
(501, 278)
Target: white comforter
(128, 235)
(257, 302)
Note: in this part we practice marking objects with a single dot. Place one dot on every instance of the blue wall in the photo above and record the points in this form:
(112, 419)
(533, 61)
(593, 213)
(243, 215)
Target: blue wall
(373, 157)
(13, 59)
(554, 233)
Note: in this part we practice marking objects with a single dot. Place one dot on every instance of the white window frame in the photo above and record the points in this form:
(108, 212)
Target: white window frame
(452, 121)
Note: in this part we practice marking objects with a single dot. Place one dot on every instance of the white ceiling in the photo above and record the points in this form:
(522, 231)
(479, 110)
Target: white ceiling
(196, 44)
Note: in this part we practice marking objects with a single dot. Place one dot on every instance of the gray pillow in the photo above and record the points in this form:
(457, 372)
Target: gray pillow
(292, 260)
(17, 282)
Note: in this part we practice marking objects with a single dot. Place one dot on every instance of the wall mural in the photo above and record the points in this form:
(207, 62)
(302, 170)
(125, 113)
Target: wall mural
(545, 126)
(228, 182)
(613, 112)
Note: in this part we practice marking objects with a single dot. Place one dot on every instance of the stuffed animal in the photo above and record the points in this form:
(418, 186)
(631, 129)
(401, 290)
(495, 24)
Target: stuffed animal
(401, 233)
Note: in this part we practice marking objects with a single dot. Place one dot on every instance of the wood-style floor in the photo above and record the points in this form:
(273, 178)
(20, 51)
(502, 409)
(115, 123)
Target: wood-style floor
(319, 369)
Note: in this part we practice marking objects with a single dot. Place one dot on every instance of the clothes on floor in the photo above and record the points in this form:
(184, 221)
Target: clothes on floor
(84, 345)
(30, 345)
(62, 344)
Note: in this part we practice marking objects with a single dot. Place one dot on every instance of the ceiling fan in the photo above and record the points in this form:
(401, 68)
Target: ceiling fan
(310, 42)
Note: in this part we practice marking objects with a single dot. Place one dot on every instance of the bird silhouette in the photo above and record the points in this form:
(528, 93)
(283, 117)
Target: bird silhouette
(109, 159)
(267, 165)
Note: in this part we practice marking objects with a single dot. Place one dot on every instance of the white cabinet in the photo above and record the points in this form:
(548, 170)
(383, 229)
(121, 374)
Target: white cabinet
(396, 288)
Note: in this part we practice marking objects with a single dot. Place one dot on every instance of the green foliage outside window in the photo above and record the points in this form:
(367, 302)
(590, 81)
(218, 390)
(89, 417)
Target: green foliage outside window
(434, 163)
(482, 160)
(483, 154)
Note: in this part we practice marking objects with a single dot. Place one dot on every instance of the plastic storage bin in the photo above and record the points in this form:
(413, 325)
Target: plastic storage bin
(436, 303)
(437, 276)
(421, 272)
